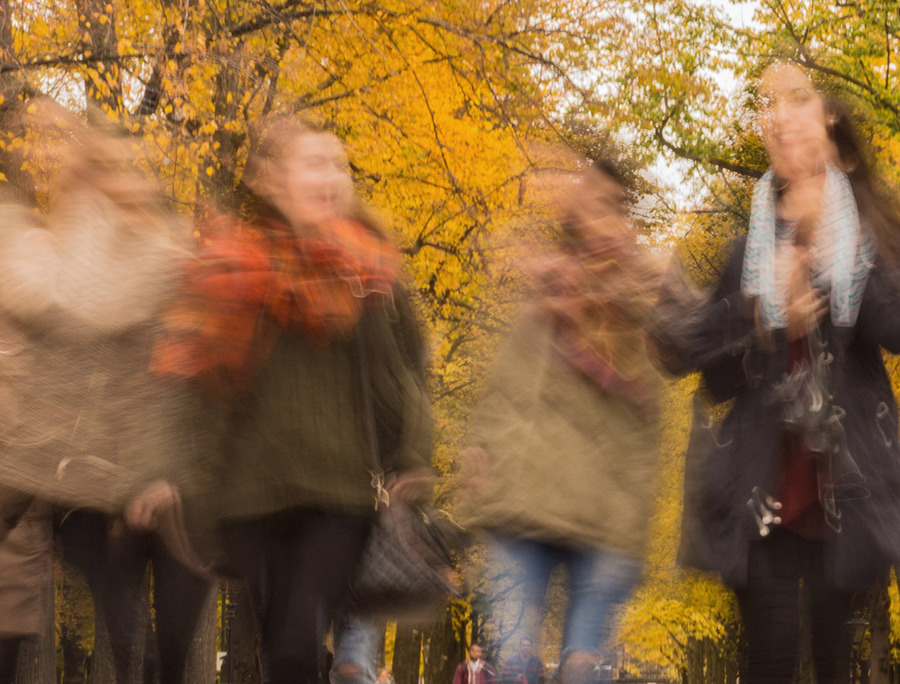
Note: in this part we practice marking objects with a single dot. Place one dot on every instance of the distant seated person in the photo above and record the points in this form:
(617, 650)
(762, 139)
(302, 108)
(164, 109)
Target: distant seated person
(475, 670)
(524, 667)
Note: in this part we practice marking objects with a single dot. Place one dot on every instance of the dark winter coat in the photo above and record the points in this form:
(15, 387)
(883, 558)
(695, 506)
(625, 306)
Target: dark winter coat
(726, 462)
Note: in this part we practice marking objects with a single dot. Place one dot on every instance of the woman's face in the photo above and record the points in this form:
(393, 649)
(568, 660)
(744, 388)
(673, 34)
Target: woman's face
(598, 207)
(315, 184)
(791, 118)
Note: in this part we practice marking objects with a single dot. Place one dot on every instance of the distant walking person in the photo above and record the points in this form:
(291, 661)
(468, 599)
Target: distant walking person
(475, 669)
(524, 667)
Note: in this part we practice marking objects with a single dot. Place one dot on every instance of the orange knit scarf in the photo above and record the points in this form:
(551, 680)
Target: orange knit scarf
(252, 279)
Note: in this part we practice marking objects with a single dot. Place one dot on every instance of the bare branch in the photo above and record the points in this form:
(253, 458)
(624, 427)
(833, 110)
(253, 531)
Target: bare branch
(718, 162)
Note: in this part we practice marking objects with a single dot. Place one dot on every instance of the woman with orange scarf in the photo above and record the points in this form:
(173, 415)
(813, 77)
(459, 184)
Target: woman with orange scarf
(298, 327)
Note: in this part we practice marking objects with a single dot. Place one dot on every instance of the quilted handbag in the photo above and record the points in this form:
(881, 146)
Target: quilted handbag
(406, 570)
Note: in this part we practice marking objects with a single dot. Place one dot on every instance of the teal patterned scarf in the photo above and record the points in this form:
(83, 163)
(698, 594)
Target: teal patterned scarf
(842, 252)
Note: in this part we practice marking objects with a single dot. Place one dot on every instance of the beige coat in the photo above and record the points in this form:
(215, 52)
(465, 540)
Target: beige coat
(83, 422)
(26, 574)
(566, 462)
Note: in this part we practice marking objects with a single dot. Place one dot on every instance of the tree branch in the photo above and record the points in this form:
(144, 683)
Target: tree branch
(723, 164)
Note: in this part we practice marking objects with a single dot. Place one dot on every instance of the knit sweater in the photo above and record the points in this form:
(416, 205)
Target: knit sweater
(303, 436)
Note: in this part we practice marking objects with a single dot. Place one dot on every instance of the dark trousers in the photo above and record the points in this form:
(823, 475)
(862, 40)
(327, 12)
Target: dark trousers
(297, 566)
(9, 658)
(114, 562)
(787, 591)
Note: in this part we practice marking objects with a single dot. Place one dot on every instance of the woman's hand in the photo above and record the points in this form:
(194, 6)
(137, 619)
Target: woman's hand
(805, 313)
(476, 467)
(157, 498)
(802, 203)
(805, 305)
(411, 486)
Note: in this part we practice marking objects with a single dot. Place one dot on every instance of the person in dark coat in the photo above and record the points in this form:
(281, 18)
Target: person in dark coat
(525, 667)
(798, 489)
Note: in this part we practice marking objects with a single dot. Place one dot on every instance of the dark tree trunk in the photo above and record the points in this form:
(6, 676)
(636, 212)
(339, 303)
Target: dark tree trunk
(407, 651)
(102, 81)
(880, 625)
(12, 87)
(219, 186)
(74, 657)
(380, 656)
(733, 653)
(241, 665)
(477, 624)
(444, 651)
(710, 662)
(201, 665)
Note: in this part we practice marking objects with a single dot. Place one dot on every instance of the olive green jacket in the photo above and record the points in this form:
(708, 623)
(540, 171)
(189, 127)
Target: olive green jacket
(567, 463)
(304, 437)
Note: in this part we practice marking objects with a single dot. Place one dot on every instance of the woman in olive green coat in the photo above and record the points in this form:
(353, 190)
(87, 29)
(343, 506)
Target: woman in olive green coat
(301, 330)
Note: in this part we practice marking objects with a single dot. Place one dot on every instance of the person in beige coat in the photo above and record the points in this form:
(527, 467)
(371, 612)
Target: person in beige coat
(85, 425)
(563, 456)
(26, 579)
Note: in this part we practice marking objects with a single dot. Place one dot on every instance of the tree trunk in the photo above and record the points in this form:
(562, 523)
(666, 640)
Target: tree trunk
(380, 655)
(694, 662)
(102, 81)
(477, 623)
(880, 640)
(444, 651)
(732, 662)
(241, 665)
(74, 657)
(217, 172)
(201, 664)
(12, 87)
(709, 662)
(407, 651)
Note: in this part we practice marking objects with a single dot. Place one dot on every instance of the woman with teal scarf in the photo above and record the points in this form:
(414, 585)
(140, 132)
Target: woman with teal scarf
(794, 499)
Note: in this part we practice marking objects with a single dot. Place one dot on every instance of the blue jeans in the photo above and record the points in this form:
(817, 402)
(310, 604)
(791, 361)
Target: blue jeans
(357, 643)
(598, 581)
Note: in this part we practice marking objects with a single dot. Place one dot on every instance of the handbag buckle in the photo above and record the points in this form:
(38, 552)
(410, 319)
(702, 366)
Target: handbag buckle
(382, 496)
